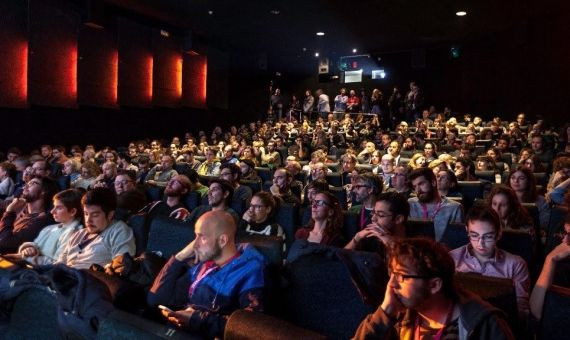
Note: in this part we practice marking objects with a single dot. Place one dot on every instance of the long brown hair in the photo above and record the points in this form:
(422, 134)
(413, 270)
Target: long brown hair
(518, 216)
(530, 193)
(334, 222)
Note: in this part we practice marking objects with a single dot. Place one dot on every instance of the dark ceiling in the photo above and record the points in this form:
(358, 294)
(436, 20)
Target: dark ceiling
(371, 26)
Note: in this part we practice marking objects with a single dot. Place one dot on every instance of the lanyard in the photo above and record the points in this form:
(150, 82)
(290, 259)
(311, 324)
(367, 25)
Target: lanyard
(207, 268)
(362, 217)
(435, 211)
(439, 333)
(86, 240)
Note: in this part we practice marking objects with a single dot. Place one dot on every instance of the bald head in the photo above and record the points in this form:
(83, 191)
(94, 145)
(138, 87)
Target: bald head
(215, 236)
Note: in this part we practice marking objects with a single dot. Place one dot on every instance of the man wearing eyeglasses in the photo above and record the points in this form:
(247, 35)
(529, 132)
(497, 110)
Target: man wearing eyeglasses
(421, 301)
(366, 189)
(389, 218)
(481, 255)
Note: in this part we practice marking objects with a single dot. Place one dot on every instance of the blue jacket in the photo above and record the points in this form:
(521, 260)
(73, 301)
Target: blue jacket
(237, 285)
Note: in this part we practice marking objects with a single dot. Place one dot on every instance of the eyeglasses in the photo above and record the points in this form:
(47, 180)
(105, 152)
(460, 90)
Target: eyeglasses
(485, 238)
(380, 214)
(30, 183)
(401, 277)
(320, 203)
(358, 186)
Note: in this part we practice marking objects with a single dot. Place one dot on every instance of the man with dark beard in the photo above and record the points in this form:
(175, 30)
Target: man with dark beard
(25, 217)
(171, 205)
(220, 195)
(428, 204)
(210, 278)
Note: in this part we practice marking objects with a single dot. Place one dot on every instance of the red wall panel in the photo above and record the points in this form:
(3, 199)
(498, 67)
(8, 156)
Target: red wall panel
(52, 71)
(194, 78)
(135, 64)
(98, 68)
(167, 71)
(13, 55)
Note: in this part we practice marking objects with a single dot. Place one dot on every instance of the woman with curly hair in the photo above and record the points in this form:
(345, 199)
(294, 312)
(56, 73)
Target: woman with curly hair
(418, 160)
(325, 225)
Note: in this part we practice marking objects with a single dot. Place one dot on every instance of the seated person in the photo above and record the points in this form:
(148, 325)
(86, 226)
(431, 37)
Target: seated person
(421, 299)
(481, 255)
(429, 204)
(447, 183)
(161, 173)
(523, 182)
(231, 173)
(51, 241)
(226, 277)
(400, 183)
(172, 205)
(281, 187)
(220, 195)
(366, 189)
(210, 166)
(26, 216)
(107, 177)
(89, 172)
(247, 168)
(130, 198)
(7, 175)
(257, 220)
(513, 215)
(546, 277)
(102, 239)
(325, 226)
(389, 218)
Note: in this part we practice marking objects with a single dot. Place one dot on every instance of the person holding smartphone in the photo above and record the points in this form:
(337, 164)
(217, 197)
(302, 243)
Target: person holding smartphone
(421, 301)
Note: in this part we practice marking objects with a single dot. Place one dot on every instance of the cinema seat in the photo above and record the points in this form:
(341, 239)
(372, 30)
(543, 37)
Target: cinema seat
(168, 236)
(555, 322)
(246, 325)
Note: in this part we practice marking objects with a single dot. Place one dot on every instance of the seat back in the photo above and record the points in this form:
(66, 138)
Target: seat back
(154, 193)
(244, 325)
(541, 178)
(63, 182)
(323, 298)
(470, 190)
(351, 224)
(519, 243)
(138, 224)
(271, 247)
(192, 200)
(122, 325)
(340, 193)
(555, 226)
(264, 173)
(420, 227)
(287, 216)
(34, 316)
(254, 185)
(182, 168)
(334, 179)
(555, 322)
(532, 210)
(168, 235)
(499, 292)
(455, 235)
(486, 175)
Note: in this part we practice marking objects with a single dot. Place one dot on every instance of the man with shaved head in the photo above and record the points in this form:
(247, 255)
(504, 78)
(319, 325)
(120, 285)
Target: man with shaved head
(210, 278)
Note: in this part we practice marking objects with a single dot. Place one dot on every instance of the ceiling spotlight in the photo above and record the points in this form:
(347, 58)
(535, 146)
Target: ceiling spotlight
(461, 13)
(317, 54)
(210, 12)
(354, 50)
(320, 34)
(275, 11)
(304, 49)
